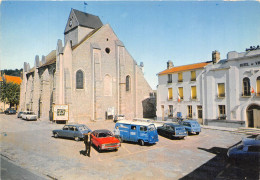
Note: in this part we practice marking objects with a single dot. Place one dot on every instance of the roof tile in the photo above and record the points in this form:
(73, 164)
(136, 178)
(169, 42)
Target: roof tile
(184, 68)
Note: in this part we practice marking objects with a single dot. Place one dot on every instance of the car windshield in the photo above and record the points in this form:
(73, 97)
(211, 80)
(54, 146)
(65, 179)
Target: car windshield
(105, 134)
(83, 128)
(151, 127)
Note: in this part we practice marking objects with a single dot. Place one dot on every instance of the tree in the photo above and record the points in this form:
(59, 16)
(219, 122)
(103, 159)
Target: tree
(10, 93)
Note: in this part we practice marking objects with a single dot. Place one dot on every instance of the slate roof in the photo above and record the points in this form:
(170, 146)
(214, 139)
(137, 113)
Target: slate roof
(50, 58)
(87, 20)
(85, 38)
(13, 79)
(184, 68)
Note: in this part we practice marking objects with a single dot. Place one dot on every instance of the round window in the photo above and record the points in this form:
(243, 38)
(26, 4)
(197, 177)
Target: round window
(107, 50)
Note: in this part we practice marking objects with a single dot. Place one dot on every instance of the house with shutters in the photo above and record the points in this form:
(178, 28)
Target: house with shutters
(218, 92)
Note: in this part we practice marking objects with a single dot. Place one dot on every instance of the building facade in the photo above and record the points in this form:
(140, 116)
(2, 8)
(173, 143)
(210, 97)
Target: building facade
(93, 73)
(225, 93)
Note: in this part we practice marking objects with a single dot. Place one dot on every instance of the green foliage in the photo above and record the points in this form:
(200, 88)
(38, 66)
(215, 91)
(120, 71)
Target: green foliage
(10, 72)
(10, 93)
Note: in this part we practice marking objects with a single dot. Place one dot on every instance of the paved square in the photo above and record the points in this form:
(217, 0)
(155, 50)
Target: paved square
(30, 144)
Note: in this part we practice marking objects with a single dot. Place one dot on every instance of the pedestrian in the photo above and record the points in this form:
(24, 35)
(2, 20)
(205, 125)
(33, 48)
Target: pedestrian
(87, 141)
(117, 133)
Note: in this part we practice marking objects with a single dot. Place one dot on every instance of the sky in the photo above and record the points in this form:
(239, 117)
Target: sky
(153, 32)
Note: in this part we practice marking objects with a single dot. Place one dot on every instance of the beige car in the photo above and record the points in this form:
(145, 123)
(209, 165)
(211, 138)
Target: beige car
(29, 116)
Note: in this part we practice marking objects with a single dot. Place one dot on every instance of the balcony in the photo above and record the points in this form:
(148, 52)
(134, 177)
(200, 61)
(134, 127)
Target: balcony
(169, 81)
(180, 80)
(246, 94)
(193, 79)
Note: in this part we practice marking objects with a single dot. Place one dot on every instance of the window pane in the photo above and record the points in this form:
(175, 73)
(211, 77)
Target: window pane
(193, 75)
(79, 79)
(221, 90)
(181, 92)
(179, 77)
(246, 87)
(258, 86)
(193, 92)
(127, 83)
(169, 93)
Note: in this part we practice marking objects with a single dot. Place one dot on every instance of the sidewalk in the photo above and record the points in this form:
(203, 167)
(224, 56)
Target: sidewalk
(251, 131)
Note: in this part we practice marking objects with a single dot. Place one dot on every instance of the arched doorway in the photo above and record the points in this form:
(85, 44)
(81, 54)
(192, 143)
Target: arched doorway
(253, 115)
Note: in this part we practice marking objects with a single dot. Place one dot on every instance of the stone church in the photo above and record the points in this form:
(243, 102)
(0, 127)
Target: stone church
(93, 73)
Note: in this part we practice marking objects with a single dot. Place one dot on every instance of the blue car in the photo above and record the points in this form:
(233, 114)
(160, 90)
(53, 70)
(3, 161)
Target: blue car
(171, 130)
(76, 131)
(191, 126)
(248, 150)
(135, 131)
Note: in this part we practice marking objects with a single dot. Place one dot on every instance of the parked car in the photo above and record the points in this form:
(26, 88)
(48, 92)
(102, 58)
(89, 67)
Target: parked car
(29, 116)
(137, 131)
(10, 111)
(104, 140)
(191, 126)
(171, 130)
(119, 117)
(19, 115)
(249, 149)
(75, 131)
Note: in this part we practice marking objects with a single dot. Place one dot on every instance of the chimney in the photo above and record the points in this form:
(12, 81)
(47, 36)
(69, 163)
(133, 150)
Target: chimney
(37, 61)
(215, 56)
(169, 64)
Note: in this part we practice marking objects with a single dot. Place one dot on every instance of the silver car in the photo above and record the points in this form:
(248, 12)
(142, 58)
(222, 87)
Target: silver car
(75, 131)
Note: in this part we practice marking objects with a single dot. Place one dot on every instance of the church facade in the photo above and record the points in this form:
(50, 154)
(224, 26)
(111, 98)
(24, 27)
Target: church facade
(93, 73)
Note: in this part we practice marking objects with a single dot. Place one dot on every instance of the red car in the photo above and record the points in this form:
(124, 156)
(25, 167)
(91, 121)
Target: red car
(104, 140)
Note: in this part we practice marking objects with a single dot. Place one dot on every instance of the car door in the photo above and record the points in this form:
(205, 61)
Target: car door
(70, 133)
(168, 130)
(133, 133)
(64, 131)
(94, 138)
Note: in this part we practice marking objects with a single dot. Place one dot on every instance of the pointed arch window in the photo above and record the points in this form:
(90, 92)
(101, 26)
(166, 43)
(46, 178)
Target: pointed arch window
(246, 87)
(79, 79)
(128, 83)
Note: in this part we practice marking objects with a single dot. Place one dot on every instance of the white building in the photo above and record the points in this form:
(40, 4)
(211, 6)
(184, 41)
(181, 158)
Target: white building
(221, 92)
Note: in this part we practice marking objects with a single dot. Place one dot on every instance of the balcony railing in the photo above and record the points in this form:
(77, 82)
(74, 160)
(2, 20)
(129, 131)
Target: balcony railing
(180, 80)
(246, 94)
(169, 81)
(193, 79)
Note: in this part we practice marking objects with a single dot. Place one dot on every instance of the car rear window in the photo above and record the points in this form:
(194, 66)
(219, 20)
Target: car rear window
(105, 134)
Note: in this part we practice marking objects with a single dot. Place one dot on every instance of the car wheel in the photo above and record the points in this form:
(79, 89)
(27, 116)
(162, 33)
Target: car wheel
(56, 135)
(99, 149)
(141, 142)
(197, 133)
(76, 138)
